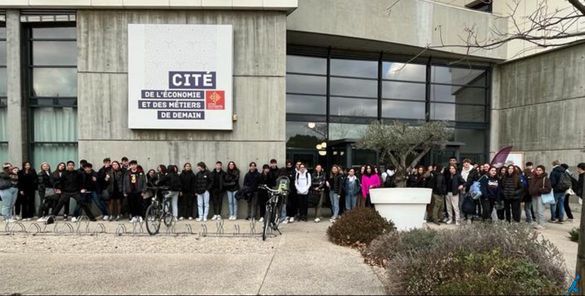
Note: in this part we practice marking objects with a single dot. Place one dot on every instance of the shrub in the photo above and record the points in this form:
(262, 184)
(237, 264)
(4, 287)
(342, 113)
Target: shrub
(386, 246)
(574, 234)
(358, 226)
(481, 258)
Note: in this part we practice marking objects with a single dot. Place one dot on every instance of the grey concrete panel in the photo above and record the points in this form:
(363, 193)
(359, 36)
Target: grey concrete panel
(16, 115)
(259, 37)
(553, 76)
(259, 103)
(413, 22)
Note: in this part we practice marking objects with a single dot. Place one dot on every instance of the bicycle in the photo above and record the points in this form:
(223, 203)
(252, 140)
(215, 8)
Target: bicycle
(158, 211)
(272, 215)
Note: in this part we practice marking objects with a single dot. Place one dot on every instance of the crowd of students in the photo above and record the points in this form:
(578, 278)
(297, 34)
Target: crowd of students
(123, 189)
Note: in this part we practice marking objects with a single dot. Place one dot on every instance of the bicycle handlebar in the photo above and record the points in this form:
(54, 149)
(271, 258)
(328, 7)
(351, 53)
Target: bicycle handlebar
(265, 187)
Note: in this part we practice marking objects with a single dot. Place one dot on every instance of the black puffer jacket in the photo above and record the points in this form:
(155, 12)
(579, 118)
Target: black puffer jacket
(27, 182)
(203, 181)
(70, 181)
(231, 180)
(218, 178)
(187, 181)
(171, 180)
(512, 187)
(45, 180)
(336, 183)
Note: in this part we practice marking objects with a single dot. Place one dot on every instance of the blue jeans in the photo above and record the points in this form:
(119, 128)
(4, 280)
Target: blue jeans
(203, 204)
(173, 196)
(8, 200)
(560, 204)
(350, 201)
(99, 201)
(232, 203)
(334, 197)
(85, 198)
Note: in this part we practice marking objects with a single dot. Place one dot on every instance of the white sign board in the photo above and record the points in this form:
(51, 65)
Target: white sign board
(180, 77)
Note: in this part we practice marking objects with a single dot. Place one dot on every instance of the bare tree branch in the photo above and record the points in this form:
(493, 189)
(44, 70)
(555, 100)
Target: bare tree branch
(578, 5)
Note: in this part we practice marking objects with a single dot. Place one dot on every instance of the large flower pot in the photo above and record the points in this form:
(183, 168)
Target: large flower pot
(404, 206)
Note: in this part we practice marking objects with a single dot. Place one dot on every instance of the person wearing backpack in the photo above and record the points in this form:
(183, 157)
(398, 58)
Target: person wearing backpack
(568, 193)
(560, 182)
(490, 192)
(303, 184)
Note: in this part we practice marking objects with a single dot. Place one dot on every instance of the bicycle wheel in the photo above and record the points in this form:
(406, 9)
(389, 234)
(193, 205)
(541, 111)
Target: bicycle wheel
(153, 219)
(267, 220)
(167, 216)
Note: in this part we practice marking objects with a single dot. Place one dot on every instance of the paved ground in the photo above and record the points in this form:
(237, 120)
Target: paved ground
(301, 261)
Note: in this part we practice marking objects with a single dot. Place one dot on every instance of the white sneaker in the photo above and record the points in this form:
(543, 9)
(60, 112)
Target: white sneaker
(332, 220)
(190, 218)
(11, 220)
(285, 221)
(106, 218)
(292, 220)
(41, 219)
(204, 219)
(140, 220)
(449, 221)
(17, 218)
(26, 219)
(181, 218)
(261, 220)
(317, 220)
(199, 219)
(214, 218)
(457, 223)
(133, 220)
(74, 219)
(218, 217)
(233, 218)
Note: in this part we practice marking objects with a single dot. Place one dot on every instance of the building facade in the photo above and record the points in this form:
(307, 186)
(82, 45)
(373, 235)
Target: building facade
(308, 77)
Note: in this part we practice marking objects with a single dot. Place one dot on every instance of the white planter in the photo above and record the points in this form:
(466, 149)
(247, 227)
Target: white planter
(404, 206)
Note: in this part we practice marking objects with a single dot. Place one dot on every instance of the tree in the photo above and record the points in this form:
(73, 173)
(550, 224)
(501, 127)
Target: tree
(402, 144)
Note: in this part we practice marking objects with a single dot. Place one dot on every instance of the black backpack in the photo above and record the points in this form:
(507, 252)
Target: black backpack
(389, 181)
(564, 182)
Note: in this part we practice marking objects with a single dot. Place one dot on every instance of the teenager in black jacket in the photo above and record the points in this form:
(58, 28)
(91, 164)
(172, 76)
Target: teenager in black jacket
(251, 184)
(455, 184)
(187, 198)
(231, 183)
(217, 189)
(437, 183)
(266, 178)
(203, 183)
(46, 187)
(27, 186)
(172, 180)
(512, 191)
(70, 185)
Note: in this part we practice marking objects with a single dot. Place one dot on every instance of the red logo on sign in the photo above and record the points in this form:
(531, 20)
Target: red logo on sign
(215, 100)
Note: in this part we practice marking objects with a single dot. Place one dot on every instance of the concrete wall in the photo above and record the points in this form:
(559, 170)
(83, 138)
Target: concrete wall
(259, 91)
(539, 106)
(413, 22)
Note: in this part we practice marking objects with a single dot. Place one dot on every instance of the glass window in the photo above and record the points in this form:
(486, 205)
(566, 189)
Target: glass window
(3, 82)
(2, 32)
(306, 84)
(353, 107)
(54, 33)
(339, 131)
(53, 153)
(2, 53)
(309, 65)
(55, 82)
(401, 71)
(315, 105)
(355, 68)
(403, 110)
(63, 53)
(458, 94)
(403, 90)
(454, 112)
(462, 76)
(354, 87)
(55, 124)
(305, 134)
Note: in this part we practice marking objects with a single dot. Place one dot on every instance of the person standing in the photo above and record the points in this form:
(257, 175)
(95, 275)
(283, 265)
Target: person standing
(93, 194)
(203, 183)
(231, 184)
(559, 188)
(251, 187)
(187, 195)
(8, 191)
(455, 184)
(370, 180)
(303, 184)
(512, 191)
(217, 189)
(46, 189)
(580, 190)
(103, 195)
(539, 184)
(114, 178)
(170, 178)
(335, 185)
(437, 183)
(291, 203)
(567, 197)
(267, 179)
(470, 174)
(351, 188)
(528, 174)
(318, 189)
(27, 186)
(490, 192)
(70, 184)
(134, 186)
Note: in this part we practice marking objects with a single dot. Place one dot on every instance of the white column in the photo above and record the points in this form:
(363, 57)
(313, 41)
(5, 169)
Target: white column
(16, 117)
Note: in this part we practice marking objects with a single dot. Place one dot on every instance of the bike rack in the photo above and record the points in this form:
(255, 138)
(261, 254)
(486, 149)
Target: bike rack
(121, 229)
